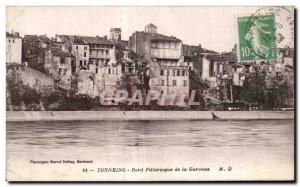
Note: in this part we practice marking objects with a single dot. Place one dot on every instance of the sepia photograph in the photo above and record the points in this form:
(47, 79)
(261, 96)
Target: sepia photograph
(150, 93)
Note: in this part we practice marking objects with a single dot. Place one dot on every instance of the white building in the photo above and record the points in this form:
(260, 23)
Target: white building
(13, 48)
(80, 50)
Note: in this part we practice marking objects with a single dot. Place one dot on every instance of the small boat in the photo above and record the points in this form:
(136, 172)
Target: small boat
(215, 117)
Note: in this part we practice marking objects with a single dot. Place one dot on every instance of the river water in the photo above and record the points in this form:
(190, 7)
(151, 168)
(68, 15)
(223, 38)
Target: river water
(246, 150)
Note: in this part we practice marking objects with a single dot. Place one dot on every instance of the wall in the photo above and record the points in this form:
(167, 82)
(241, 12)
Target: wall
(85, 83)
(205, 68)
(106, 79)
(35, 79)
(79, 55)
(13, 50)
(59, 67)
(166, 49)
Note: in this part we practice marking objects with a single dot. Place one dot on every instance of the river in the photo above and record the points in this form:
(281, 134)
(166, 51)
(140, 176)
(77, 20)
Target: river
(246, 150)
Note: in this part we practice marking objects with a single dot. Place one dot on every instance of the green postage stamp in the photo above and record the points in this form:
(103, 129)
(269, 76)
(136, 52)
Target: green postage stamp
(256, 38)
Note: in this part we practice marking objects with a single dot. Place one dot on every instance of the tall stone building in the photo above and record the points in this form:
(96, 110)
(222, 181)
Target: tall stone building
(13, 48)
(81, 52)
(168, 71)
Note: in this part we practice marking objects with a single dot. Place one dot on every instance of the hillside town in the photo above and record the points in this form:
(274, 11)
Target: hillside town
(71, 72)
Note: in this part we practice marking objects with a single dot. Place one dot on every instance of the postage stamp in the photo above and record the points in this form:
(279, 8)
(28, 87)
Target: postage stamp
(257, 38)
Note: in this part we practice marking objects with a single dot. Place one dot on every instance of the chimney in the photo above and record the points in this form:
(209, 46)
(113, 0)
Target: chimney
(105, 37)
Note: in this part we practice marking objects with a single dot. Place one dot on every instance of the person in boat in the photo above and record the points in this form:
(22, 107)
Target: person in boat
(214, 116)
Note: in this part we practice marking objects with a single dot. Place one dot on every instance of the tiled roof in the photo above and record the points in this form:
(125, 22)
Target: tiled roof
(230, 57)
(115, 29)
(192, 50)
(79, 41)
(161, 37)
(37, 38)
(10, 35)
(31, 37)
(96, 40)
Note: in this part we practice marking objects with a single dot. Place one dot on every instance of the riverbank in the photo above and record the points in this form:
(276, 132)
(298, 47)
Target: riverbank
(144, 115)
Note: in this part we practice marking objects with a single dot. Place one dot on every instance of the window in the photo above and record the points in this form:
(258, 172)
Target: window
(162, 82)
(13, 41)
(84, 54)
(162, 72)
(211, 69)
(96, 70)
(85, 47)
(174, 73)
(116, 71)
(174, 82)
(184, 82)
(182, 72)
(109, 70)
(9, 41)
(178, 73)
(76, 47)
(85, 62)
(80, 62)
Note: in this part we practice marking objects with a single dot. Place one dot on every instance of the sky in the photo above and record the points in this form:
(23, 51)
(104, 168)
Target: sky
(213, 27)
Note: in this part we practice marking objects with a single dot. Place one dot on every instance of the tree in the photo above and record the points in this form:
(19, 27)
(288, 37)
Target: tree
(254, 89)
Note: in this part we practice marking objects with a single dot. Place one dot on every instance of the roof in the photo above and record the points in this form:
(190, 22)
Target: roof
(231, 57)
(161, 37)
(11, 35)
(116, 29)
(96, 40)
(60, 52)
(151, 25)
(42, 38)
(79, 41)
(214, 57)
(192, 50)
(31, 37)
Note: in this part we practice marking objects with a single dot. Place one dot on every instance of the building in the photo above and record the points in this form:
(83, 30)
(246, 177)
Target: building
(115, 34)
(34, 50)
(81, 52)
(101, 51)
(150, 28)
(58, 64)
(13, 48)
(168, 70)
(98, 69)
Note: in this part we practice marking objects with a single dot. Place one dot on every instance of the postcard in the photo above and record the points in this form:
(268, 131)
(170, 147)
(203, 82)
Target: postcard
(150, 93)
